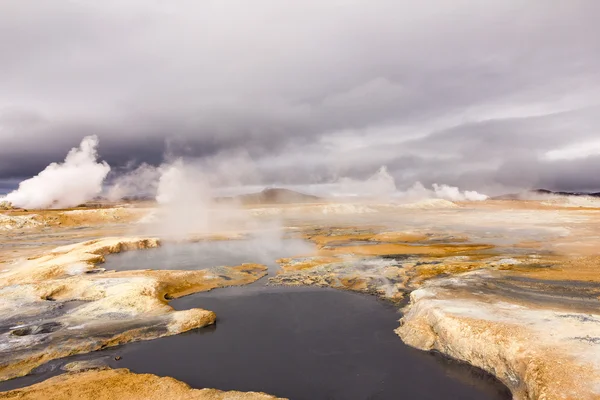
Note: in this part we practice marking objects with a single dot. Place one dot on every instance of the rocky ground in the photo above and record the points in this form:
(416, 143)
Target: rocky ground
(509, 286)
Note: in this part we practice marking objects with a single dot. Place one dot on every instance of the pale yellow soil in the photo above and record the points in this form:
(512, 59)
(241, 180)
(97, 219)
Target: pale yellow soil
(122, 384)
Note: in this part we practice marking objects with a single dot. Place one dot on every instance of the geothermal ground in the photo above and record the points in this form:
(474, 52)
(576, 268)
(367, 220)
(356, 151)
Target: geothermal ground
(505, 286)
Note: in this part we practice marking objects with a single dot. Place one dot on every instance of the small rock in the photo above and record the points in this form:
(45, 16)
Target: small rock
(117, 358)
(80, 366)
(21, 332)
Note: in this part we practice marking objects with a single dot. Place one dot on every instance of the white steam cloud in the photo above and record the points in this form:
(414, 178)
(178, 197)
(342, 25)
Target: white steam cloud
(140, 182)
(185, 191)
(454, 194)
(418, 192)
(185, 195)
(78, 179)
(382, 186)
(185, 199)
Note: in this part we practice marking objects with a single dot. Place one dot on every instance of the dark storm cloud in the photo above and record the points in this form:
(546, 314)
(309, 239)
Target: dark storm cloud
(468, 93)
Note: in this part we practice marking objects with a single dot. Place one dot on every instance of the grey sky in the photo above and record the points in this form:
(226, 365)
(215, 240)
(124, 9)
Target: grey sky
(487, 95)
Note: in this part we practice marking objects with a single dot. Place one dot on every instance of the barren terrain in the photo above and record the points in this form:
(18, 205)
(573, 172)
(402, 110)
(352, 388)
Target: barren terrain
(509, 286)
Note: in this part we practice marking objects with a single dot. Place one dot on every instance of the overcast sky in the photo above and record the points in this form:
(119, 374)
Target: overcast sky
(486, 95)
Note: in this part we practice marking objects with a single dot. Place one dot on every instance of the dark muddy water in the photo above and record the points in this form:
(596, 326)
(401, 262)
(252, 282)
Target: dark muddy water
(299, 343)
(206, 254)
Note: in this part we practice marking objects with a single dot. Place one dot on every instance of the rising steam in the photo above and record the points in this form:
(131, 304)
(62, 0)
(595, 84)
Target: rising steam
(78, 179)
(187, 204)
(139, 182)
(418, 192)
(382, 186)
(185, 191)
(184, 198)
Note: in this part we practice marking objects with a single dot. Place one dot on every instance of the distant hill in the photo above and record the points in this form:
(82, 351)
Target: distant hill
(272, 196)
(542, 192)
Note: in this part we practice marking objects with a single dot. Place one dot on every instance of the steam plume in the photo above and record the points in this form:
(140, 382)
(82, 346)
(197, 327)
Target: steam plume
(382, 185)
(185, 200)
(142, 181)
(454, 194)
(418, 192)
(78, 179)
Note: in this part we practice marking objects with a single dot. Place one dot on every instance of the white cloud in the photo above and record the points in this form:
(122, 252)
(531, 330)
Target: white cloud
(574, 151)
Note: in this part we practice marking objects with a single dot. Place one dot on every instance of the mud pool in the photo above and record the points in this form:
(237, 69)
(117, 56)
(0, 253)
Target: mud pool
(210, 254)
(294, 342)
